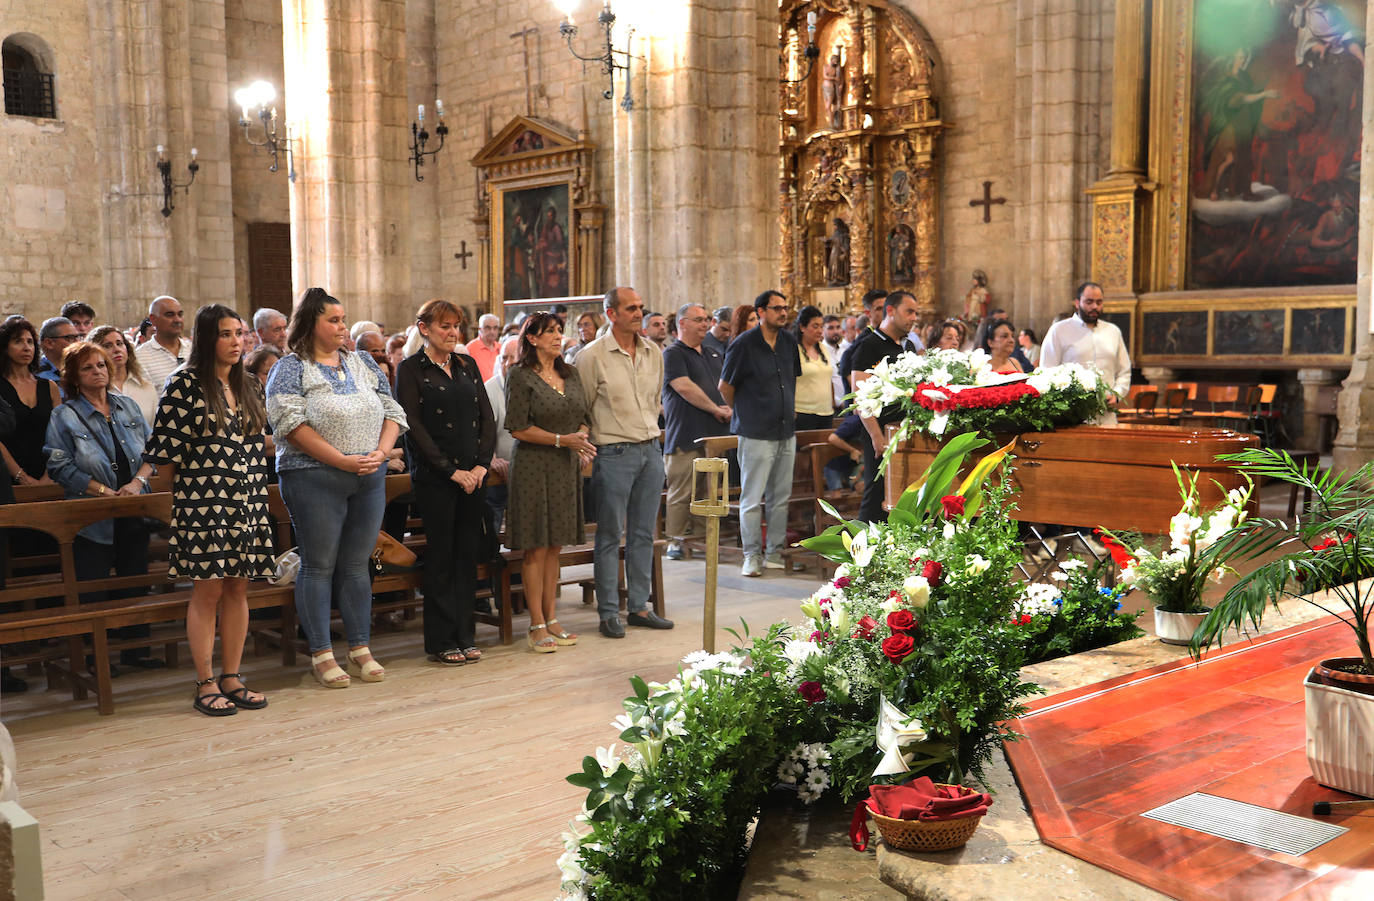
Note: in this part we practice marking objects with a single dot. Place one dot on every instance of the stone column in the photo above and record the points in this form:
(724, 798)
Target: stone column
(696, 161)
(349, 117)
(1129, 123)
(1059, 95)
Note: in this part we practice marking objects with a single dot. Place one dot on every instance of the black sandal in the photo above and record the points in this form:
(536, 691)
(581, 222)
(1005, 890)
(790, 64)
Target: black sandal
(452, 657)
(240, 695)
(472, 655)
(203, 701)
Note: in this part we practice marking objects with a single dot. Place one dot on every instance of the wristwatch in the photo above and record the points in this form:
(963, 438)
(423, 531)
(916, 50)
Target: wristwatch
(147, 489)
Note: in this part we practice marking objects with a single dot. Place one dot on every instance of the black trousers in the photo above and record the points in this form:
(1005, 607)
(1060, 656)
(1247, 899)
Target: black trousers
(871, 508)
(809, 421)
(453, 531)
(127, 556)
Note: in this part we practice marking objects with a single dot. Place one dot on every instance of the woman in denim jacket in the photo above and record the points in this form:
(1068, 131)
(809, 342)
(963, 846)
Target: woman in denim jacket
(94, 442)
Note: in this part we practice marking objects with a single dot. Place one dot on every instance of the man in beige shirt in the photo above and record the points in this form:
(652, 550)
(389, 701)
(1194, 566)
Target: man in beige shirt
(622, 377)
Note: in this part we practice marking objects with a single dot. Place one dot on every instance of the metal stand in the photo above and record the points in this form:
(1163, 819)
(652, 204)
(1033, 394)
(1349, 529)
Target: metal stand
(713, 506)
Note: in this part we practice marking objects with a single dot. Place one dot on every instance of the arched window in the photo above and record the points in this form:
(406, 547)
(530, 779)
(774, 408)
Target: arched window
(28, 77)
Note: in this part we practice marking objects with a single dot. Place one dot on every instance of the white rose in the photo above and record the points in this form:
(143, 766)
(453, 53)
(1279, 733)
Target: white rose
(976, 565)
(891, 605)
(917, 591)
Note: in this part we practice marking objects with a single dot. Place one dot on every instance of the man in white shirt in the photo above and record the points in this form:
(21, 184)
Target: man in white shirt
(270, 325)
(1084, 339)
(505, 444)
(167, 349)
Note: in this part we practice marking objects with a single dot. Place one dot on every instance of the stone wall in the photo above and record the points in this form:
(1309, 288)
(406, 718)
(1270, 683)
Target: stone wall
(49, 203)
(254, 51)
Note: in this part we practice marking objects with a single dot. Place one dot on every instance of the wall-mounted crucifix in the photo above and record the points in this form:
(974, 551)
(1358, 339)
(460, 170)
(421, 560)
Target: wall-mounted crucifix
(987, 201)
(464, 254)
(524, 36)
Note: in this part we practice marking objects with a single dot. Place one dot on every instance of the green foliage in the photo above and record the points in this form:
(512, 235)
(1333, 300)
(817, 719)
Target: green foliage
(1331, 548)
(1076, 614)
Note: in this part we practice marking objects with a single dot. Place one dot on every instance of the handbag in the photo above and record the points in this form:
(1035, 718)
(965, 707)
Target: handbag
(390, 556)
(287, 565)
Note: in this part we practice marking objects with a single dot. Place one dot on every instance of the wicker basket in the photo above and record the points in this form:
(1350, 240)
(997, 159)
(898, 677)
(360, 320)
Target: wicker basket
(926, 835)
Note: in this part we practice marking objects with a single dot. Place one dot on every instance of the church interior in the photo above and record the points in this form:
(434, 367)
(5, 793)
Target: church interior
(1200, 160)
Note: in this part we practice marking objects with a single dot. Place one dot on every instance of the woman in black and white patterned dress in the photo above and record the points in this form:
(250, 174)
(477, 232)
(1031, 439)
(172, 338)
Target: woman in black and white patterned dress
(209, 430)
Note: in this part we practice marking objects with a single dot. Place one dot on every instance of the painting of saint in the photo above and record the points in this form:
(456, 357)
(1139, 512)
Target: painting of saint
(1274, 159)
(536, 250)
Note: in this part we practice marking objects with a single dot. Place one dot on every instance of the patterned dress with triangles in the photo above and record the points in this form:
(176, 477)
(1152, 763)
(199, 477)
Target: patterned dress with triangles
(219, 493)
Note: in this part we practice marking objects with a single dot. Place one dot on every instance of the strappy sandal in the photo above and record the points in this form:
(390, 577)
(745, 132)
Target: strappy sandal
(545, 645)
(203, 702)
(370, 670)
(334, 677)
(562, 637)
(452, 657)
(240, 695)
(472, 655)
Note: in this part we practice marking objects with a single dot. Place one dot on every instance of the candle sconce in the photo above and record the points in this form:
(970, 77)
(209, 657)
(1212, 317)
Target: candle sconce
(419, 137)
(164, 168)
(812, 52)
(257, 98)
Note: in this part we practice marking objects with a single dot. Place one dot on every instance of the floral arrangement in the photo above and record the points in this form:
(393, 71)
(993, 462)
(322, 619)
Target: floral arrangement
(1175, 576)
(949, 390)
(906, 663)
(1329, 548)
(1075, 613)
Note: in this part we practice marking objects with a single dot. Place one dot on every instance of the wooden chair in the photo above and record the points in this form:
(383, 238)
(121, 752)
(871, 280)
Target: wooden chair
(1142, 408)
(1176, 404)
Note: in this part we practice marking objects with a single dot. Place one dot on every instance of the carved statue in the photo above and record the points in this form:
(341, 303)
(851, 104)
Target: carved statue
(978, 298)
(832, 89)
(837, 254)
(901, 266)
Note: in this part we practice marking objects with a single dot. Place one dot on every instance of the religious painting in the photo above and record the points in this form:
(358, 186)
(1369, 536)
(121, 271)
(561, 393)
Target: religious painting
(1320, 330)
(1175, 334)
(1121, 321)
(1248, 332)
(535, 241)
(1274, 155)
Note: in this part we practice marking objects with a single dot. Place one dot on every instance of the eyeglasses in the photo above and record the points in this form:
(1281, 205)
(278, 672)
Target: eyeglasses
(778, 309)
(696, 319)
(72, 337)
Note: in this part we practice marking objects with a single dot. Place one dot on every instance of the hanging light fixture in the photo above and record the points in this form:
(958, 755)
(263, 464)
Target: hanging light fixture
(607, 59)
(256, 101)
(812, 52)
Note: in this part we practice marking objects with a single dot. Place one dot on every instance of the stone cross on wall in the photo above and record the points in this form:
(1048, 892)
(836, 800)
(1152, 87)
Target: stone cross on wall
(464, 254)
(987, 201)
(524, 36)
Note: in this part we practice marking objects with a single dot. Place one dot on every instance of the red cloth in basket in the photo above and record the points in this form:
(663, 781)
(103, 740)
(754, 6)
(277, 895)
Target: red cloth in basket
(919, 799)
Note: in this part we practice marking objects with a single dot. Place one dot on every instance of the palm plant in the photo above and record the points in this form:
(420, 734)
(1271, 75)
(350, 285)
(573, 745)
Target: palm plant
(1331, 547)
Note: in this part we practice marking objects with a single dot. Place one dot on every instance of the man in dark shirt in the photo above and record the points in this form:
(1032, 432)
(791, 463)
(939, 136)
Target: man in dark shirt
(760, 381)
(719, 335)
(885, 343)
(692, 409)
(872, 317)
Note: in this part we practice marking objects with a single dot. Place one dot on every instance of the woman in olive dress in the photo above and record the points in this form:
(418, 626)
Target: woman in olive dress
(547, 414)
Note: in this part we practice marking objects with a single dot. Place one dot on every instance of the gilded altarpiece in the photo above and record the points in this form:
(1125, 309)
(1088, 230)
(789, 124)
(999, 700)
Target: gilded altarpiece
(1236, 248)
(858, 156)
(538, 221)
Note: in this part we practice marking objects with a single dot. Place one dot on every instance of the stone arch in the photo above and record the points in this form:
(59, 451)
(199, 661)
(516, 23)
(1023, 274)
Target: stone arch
(29, 70)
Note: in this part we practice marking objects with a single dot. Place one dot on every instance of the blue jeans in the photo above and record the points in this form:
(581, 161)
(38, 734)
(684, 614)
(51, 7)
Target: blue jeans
(765, 469)
(627, 483)
(336, 516)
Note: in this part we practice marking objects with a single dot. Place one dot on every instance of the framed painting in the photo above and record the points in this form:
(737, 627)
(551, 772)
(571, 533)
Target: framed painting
(533, 236)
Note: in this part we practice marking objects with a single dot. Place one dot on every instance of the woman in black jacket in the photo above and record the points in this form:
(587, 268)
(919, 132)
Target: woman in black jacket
(451, 439)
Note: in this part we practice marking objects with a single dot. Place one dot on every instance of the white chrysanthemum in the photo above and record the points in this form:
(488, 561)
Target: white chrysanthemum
(797, 650)
(1069, 566)
(1059, 576)
(818, 780)
(1040, 381)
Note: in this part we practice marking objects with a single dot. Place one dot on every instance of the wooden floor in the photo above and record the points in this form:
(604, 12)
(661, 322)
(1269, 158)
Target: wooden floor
(437, 783)
(1096, 758)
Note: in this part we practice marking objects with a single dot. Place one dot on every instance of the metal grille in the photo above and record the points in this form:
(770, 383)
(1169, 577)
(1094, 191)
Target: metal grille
(1246, 823)
(29, 94)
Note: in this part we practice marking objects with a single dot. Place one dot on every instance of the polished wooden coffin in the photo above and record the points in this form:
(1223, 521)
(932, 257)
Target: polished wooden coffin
(1116, 477)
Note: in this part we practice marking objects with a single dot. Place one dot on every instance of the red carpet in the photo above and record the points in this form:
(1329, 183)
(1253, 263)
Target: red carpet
(1233, 725)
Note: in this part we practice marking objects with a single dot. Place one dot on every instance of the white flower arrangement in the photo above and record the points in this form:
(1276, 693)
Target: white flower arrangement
(804, 767)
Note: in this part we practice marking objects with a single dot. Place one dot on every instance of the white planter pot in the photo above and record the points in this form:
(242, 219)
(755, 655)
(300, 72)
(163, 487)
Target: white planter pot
(1177, 628)
(1340, 737)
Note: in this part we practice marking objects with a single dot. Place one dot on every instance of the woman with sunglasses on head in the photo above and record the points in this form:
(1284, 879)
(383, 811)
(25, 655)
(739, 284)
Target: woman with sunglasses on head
(209, 432)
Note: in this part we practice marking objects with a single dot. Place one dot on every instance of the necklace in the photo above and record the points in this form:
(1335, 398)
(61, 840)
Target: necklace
(549, 379)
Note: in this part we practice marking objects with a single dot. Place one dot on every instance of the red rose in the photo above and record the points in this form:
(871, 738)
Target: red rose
(1024, 620)
(898, 646)
(953, 504)
(865, 628)
(842, 582)
(932, 572)
(812, 692)
(901, 621)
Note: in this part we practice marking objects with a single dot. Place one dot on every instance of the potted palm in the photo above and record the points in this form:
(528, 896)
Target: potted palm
(1325, 558)
(1174, 576)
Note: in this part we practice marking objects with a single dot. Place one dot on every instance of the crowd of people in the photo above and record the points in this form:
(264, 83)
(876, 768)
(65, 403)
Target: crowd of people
(523, 432)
